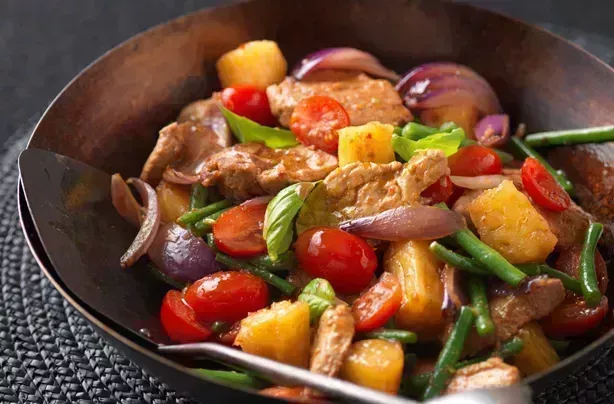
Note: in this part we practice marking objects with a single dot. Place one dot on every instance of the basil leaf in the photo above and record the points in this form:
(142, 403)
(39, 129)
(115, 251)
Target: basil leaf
(447, 142)
(247, 130)
(319, 295)
(279, 217)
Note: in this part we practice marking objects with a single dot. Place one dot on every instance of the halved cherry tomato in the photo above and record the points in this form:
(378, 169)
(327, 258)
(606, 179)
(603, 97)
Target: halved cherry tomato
(378, 304)
(474, 160)
(179, 320)
(440, 191)
(315, 121)
(573, 317)
(345, 260)
(250, 102)
(238, 231)
(542, 187)
(227, 296)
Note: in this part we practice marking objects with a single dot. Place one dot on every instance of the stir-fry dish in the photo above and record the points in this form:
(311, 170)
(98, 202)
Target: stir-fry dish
(390, 231)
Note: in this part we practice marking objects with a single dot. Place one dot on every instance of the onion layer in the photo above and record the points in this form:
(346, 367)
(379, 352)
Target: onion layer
(479, 182)
(342, 58)
(493, 130)
(124, 201)
(176, 252)
(149, 225)
(406, 223)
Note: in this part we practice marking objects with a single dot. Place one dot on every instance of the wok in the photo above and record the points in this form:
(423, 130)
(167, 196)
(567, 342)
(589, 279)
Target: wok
(109, 115)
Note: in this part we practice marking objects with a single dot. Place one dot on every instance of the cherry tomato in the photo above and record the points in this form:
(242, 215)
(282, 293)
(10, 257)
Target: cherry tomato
(227, 296)
(542, 187)
(378, 304)
(179, 320)
(440, 191)
(474, 160)
(315, 121)
(250, 102)
(345, 260)
(572, 318)
(569, 262)
(293, 394)
(238, 231)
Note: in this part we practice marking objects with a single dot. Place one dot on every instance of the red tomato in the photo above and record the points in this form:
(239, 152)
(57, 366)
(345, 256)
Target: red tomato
(542, 187)
(346, 261)
(179, 320)
(227, 296)
(315, 121)
(250, 102)
(573, 318)
(293, 394)
(474, 160)
(378, 304)
(238, 231)
(569, 262)
(440, 191)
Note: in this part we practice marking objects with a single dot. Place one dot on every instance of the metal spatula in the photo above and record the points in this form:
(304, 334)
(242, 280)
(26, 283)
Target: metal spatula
(84, 239)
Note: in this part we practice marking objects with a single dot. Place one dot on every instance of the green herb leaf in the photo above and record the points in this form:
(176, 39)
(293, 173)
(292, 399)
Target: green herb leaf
(319, 295)
(447, 142)
(279, 217)
(247, 130)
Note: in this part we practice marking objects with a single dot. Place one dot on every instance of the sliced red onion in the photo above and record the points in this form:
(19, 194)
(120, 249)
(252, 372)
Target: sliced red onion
(493, 130)
(429, 71)
(479, 182)
(454, 96)
(124, 201)
(259, 200)
(406, 223)
(179, 254)
(342, 58)
(149, 225)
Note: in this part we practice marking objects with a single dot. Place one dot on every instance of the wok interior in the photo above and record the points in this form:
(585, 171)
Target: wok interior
(109, 116)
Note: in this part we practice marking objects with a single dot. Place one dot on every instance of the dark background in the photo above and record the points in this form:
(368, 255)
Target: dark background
(45, 43)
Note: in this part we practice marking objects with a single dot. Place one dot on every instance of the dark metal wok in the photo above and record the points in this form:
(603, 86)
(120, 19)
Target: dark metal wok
(109, 115)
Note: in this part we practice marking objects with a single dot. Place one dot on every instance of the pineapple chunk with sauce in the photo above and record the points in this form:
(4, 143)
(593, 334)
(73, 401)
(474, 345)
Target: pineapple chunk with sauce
(367, 143)
(506, 221)
(537, 354)
(255, 63)
(173, 199)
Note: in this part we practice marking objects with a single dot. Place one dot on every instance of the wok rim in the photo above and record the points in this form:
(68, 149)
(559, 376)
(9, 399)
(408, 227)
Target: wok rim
(543, 380)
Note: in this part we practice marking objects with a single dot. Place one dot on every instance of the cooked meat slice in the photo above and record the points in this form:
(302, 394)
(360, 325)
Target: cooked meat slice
(365, 99)
(462, 204)
(363, 189)
(568, 226)
(252, 169)
(332, 341)
(487, 374)
(167, 150)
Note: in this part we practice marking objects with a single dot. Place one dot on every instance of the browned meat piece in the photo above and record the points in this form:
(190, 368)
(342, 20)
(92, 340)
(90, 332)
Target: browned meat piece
(363, 189)
(167, 150)
(365, 99)
(332, 341)
(454, 295)
(568, 226)
(591, 169)
(252, 169)
(462, 203)
(488, 374)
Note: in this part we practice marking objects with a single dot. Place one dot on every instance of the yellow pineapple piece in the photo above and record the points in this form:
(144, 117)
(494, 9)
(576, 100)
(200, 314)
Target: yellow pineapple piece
(254, 63)
(375, 363)
(367, 143)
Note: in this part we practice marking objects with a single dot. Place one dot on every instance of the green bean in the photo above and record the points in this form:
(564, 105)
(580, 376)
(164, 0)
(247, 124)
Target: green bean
(165, 278)
(509, 348)
(405, 337)
(530, 269)
(505, 157)
(457, 260)
(569, 282)
(397, 130)
(231, 377)
(527, 151)
(272, 279)
(479, 302)
(588, 276)
(198, 198)
(207, 223)
(218, 326)
(415, 131)
(195, 215)
(284, 262)
(448, 126)
(448, 357)
(573, 136)
(488, 257)
(211, 241)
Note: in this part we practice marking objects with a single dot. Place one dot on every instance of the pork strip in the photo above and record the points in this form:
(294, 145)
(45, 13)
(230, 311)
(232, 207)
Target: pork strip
(332, 341)
(365, 99)
(487, 374)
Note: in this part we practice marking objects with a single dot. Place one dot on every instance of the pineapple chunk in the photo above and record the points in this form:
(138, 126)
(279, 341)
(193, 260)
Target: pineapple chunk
(537, 355)
(255, 63)
(417, 269)
(173, 199)
(280, 332)
(506, 221)
(374, 363)
(464, 116)
(367, 143)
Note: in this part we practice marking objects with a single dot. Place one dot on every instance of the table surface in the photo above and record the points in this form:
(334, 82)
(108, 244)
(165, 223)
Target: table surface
(44, 44)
